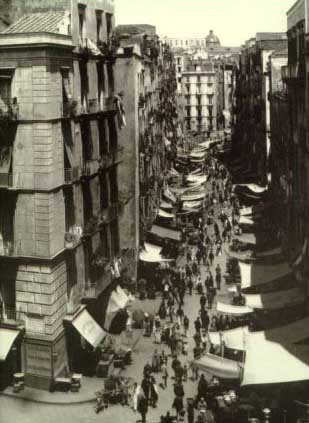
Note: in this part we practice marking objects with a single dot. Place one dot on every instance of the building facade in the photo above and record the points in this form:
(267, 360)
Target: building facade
(199, 86)
(252, 128)
(59, 226)
(145, 67)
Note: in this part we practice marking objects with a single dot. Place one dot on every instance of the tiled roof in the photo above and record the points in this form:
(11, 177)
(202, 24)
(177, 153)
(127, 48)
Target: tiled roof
(37, 22)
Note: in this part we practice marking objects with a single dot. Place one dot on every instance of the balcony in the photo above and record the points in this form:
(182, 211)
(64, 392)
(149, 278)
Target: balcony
(7, 180)
(9, 113)
(7, 249)
(109, 104)
(73, 237)
(71, 175)
(85, 171)
(292, 72)
(10, 315)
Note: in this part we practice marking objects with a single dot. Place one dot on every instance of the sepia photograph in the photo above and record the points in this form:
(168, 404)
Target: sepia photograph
(154, 211)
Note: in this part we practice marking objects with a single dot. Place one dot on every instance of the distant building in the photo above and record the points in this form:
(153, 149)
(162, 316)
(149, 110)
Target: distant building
(199, 85)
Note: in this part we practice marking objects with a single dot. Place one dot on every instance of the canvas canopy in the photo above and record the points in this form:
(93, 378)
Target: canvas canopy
(89, 328)
(163, 232)
(151, 253)
(245, 221)
(169, 195)
(219, 366)
(252, 274)
(275, 300)
(254, 188)
(193, 197)
(233, 309)
(163, 213)
(270, 362)
(7, 338)
(233, 339)
(245, 211)
(197, 179)
(165, 205)
(248, 238)
(271, 252)
(197, 154)
(192, 204)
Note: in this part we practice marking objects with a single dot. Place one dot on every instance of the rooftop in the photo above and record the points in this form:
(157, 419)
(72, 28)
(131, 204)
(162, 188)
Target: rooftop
(270, 36)
(51, 22)
(136, 29)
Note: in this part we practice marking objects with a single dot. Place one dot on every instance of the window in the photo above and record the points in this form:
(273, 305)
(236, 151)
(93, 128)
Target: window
(82, 18)
(113, 139)
(105, 242)
(188, 112)
(209, 99)
(109, 24)
(178, 60)
(104, 191)
(198, 79)
(103, 144)
(114, 238)
(179, 80)
(113, 184)
(101, 83)
(86, 140)
(110, 79)
(179, 69)
(87, 202)
(84, 85)
(99, 15)
(209, 79)
(188, 79)
(188, 100)
(69, 208)
(5, 88)
(188, 87)
(66, 89)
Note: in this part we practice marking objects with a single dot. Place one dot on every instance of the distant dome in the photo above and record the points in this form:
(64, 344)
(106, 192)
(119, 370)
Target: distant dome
(212, 39)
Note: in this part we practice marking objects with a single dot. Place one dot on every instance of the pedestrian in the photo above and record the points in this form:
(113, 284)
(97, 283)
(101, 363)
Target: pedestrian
(211, 256)
(185, 373)
(197, 325)
(180, 315)
(175, 364)
(142, 406)
(190, 284)
(202, 301)
(153, 392)
(218, 280)
(146, 386)
(178, 405)
(164, 374)
(204, 340)
(186, 323)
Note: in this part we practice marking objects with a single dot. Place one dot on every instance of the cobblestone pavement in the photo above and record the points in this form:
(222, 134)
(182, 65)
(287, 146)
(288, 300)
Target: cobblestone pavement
(16, 410)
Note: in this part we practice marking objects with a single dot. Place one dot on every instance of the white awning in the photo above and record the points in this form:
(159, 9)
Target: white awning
(270, 362)
(192, 204)
(151, 254)
(248, 238)
(271, 252)
(233, 339)
(166, 232)
(257, 274)
(245, 221)
(197, 179)
(197, 154)
(233, 309)
(292, 333)
(7, 338)
(193, 197)
(275, 300)
(89, 328)
(219, 366)
(165, 214)
(245, 211)
(169, 195)
(165, 205)
(254, 188)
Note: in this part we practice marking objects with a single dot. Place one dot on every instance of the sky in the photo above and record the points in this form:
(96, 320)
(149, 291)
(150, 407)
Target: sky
(234, 21)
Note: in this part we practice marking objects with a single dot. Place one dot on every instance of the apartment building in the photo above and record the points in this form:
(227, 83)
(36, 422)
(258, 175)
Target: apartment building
(59, 207)
(145, 67)
(199, 85)
(252, 129)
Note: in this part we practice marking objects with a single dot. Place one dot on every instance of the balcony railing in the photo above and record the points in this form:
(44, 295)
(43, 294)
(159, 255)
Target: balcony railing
(73, 237)
(7, 249)
(9, 112)
(10, 314)
(71, 175)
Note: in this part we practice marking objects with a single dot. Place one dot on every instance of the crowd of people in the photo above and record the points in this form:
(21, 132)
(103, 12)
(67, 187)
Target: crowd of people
(214, 227)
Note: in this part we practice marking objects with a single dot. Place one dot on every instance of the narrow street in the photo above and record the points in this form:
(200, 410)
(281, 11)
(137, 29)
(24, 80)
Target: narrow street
(13, 410)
